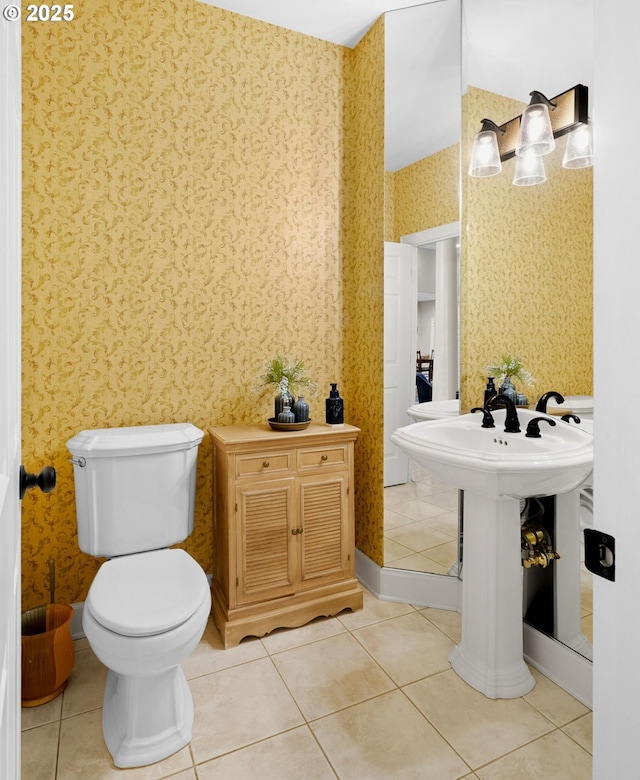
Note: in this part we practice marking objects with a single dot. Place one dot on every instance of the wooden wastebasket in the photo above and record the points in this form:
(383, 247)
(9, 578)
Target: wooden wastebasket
(47, 653)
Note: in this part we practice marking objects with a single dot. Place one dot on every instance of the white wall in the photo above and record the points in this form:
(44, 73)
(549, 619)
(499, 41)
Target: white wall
(426, 308)
(426, 270)
(426, 316)
(617, 357)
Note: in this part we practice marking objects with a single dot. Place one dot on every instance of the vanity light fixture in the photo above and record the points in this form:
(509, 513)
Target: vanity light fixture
(529, 171)
(485, 156)
(569, 112)
(578, 152)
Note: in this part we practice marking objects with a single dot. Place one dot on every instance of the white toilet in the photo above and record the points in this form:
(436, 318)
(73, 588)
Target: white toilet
(148, 605)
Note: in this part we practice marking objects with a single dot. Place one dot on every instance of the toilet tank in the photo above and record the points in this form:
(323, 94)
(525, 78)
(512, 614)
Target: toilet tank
(135, 487)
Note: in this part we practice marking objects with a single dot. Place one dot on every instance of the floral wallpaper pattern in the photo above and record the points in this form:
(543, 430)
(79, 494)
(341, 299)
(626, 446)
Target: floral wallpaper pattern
(184, 189)
(426, 194)
(364, 281)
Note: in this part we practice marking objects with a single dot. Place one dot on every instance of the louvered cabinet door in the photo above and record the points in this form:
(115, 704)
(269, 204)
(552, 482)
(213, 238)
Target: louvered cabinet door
(266, 565)
(325, 536)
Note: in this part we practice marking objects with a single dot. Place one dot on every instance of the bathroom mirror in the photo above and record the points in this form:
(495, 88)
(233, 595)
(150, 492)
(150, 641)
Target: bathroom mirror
(501, 56)
(511, 47)
(422, 132)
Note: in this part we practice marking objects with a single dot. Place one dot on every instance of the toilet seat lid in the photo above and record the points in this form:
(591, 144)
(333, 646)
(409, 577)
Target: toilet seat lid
(147, 593)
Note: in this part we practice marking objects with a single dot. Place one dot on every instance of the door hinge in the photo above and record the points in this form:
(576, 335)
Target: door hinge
(600, 554)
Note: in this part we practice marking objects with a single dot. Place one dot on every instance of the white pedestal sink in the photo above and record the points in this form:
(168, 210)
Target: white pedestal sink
(496, 470)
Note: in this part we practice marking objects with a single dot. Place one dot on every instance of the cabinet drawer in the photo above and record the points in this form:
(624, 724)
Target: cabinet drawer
(266, 463)
(319, 457)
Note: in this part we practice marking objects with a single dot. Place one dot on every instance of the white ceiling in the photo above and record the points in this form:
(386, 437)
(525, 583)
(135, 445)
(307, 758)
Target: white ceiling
(510, 47)
(337, 21)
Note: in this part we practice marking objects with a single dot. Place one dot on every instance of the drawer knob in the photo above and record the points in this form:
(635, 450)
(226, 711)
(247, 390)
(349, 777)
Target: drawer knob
(296, 531)
(324, 457)
(265, 464)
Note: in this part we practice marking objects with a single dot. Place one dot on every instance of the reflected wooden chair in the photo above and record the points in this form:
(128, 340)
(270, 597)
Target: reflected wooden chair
(424, 365)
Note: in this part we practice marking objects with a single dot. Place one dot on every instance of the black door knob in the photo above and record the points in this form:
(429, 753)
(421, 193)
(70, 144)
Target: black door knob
(45, 480)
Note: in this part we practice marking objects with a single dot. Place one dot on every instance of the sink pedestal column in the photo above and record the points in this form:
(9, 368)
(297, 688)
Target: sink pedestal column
(489, 656)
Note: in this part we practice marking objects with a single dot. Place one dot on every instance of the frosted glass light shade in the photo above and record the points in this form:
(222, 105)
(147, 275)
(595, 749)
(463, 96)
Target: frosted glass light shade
(485, 158)
(536, 135)
(529, 171)
(578, 152)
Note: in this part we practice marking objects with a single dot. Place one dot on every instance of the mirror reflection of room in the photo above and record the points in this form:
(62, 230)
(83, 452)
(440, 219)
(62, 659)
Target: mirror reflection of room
(499, 253)
(519, 228)
(422, 81)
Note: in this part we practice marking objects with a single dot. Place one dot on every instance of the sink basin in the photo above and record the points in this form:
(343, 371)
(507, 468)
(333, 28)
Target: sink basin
(582, 405)
(492, 463)
(434, 410)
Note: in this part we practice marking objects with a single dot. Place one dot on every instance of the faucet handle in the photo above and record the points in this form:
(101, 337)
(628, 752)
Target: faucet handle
(533, 428)
(568, 417)
(487, 417)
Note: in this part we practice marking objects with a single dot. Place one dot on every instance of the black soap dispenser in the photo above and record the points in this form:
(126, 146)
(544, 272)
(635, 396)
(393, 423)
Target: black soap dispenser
(490, 390)
(335, 406)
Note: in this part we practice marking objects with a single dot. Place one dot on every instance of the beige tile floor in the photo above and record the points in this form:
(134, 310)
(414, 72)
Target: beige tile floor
(421, 525)
(359, 696)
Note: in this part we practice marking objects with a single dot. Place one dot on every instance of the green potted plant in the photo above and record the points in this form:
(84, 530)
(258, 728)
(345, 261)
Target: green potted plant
(286, 378)
(508, 370)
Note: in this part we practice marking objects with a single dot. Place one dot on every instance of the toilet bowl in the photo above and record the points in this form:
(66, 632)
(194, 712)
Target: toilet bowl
(144, 614)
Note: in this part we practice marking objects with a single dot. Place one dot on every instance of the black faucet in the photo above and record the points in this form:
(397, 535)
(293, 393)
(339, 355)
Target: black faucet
(568, 417)
(511, 422)
(533, 428)
(487, 417)
(541, 406)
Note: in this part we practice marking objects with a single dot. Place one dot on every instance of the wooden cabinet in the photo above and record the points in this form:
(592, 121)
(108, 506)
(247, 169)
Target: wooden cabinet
(283, 527)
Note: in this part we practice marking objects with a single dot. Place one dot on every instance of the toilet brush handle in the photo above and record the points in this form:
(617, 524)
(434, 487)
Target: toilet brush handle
(52, 581)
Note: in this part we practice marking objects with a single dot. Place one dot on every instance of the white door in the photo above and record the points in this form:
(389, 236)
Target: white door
(400, 323)
(616, 627)
(10, 233)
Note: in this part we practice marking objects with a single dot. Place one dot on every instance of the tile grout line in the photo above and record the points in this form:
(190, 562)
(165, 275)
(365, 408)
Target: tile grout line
(433, 725)
(524, 745)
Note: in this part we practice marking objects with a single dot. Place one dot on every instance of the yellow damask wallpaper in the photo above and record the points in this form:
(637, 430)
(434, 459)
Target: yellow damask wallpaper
(389, 206)
(527, 267)
(363, 238)
(186, 171)
(426, 194)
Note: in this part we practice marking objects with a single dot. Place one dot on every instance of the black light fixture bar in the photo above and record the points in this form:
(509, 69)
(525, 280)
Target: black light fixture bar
(571, 109)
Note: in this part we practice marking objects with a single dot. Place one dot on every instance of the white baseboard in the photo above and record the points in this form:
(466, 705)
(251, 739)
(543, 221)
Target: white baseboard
(570, 670)
(409, 587)
(76, 621)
